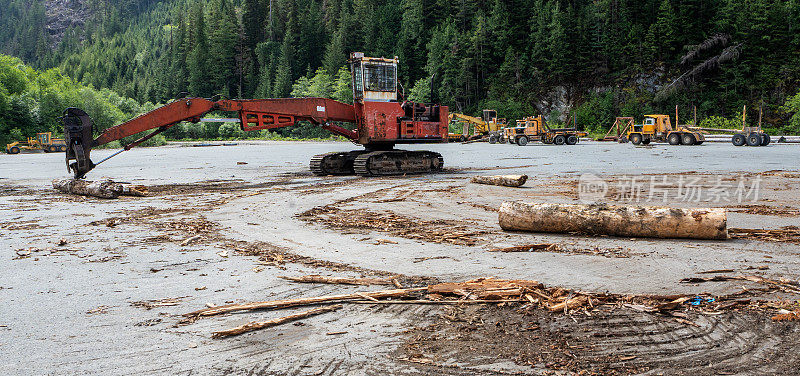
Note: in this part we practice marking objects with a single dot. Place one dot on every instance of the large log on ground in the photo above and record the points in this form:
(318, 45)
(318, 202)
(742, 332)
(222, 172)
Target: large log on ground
(504, 180)
(100, 189)
(627, 221)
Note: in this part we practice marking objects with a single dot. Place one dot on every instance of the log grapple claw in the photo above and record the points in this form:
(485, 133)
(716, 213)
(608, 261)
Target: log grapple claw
(78, 137)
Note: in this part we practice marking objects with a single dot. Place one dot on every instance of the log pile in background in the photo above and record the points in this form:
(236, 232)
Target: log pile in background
(502, 180)
(100, 189)
(627, 221)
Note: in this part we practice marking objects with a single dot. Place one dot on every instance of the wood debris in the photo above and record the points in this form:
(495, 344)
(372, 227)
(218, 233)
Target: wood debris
(150, 304)
(435, 231)
(315, 278)
(278, 304)
(531, 294)
(616, 252)
(256, 325)
(791, 316)
(527, 248)
(782, 284)
(100, 189)
(502, 180)
(786, 234)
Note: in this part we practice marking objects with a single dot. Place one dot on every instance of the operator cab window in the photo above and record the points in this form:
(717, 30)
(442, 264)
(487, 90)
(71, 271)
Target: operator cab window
(380, 77)
(649, 121)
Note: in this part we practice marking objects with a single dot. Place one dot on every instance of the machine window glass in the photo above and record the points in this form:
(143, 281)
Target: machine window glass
(380, 77)
(358, 82)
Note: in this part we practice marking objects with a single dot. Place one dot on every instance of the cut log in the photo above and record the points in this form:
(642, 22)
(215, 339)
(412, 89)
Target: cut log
(100, 189)
(626, 221)
(504, 180)
(277, 304)
(256, 325)
(339, 281)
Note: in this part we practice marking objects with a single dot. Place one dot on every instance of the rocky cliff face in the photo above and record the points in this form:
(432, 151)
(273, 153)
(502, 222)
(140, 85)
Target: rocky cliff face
(63, 14)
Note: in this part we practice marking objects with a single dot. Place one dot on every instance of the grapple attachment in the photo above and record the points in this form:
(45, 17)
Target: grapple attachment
(78, 137)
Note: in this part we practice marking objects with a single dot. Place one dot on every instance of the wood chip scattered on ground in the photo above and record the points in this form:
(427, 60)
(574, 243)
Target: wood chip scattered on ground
(527, 248)
(786, 234)
(781, 284)
(530, 293)
(784, 211)
(278, 304)
(791, 316)
(338, 280)
(256, 325)
(435, 231)
(150, 304)
(617, 252)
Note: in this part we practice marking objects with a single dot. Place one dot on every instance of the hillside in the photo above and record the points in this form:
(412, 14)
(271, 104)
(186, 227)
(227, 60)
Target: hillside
(597, 59)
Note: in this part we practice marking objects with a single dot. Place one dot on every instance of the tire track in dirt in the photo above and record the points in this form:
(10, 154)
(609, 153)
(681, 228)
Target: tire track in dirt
(731, 342)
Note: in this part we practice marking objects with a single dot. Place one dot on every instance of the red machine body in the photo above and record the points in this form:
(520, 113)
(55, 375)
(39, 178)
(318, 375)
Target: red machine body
(381, 122)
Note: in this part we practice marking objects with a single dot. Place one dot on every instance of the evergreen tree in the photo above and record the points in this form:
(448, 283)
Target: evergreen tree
(199, 69)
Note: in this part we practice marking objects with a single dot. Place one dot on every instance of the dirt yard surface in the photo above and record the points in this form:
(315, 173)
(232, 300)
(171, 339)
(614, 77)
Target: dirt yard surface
(93, 286)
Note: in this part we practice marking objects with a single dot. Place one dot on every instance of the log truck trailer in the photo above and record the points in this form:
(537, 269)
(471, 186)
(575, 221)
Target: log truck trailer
(381, 122)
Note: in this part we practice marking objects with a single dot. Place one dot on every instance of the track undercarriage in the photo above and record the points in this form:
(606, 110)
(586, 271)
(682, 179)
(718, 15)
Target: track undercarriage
(377, 163)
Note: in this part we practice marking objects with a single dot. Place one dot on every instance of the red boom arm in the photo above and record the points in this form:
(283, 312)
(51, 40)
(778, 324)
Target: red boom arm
(255, 114)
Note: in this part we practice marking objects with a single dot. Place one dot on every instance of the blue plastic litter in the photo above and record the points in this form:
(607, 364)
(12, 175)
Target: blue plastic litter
(698, 300)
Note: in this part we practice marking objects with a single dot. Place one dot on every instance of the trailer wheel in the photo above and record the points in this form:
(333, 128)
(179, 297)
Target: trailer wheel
(738, 139)
(52, 149)
(674, 139)
(636, 139)
(13, 150)
(572, 139)
(503, 140)
(492, 139)
(754, 139)
(688, 139)
(764, 139)
(559, 140)
(522, 141)
(62, 148)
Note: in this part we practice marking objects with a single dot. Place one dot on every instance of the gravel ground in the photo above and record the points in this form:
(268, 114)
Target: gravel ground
(105, 300)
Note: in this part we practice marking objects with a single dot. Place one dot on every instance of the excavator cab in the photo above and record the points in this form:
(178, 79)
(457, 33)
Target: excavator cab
(374, 78)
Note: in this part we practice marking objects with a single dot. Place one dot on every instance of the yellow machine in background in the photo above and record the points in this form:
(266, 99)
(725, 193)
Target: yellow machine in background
(534, 128)
(490, 125)
(43, 141)
(659, 128)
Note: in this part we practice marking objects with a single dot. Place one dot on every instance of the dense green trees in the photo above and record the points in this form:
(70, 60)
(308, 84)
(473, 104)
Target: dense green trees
(599, 58)
(32, 101)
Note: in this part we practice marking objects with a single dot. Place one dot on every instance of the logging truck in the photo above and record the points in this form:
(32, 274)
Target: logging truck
(534, 128)
(658, 128)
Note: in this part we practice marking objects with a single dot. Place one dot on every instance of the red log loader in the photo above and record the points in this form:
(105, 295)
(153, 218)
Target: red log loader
(381, 122)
